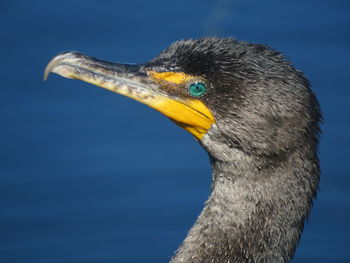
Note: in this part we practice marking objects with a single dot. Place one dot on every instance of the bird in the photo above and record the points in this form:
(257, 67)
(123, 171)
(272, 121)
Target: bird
(257, 118)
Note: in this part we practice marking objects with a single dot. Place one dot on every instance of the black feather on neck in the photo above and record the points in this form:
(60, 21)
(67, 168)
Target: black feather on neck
(263, 151)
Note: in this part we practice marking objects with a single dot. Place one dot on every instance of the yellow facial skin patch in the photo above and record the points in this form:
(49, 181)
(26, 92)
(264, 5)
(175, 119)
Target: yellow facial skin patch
(171, 77)
(189, 113)
(196, 121)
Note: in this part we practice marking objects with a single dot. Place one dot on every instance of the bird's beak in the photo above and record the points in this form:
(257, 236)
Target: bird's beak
(131, 81)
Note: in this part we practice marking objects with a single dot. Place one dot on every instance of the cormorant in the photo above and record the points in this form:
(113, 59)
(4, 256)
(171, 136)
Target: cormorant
(258, 120)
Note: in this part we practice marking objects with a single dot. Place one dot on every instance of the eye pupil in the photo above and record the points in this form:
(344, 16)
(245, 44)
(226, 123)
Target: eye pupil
(197, 89)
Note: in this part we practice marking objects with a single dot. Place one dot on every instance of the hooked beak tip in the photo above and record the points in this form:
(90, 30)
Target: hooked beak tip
(56, 61)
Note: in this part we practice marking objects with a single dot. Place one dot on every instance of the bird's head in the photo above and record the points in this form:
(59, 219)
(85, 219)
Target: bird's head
(226, 93)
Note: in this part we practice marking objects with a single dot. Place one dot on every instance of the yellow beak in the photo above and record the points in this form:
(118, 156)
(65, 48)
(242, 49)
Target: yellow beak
(130, 80)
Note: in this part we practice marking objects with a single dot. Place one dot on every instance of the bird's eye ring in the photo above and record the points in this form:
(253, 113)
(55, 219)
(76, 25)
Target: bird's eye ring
(197, 89)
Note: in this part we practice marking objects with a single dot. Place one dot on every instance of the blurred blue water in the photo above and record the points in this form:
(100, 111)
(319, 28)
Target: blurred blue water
(89, 176)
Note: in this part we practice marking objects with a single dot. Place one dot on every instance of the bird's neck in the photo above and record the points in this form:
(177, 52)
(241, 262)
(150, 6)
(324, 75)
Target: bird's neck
(254, 213)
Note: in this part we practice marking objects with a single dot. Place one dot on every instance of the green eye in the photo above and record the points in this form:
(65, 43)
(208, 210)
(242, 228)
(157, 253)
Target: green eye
(197, 89)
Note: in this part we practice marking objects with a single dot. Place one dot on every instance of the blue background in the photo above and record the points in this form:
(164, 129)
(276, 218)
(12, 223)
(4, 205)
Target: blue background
(87, 175)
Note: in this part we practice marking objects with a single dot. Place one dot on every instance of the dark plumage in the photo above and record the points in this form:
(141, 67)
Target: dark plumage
(263, 150)
(262, 145)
